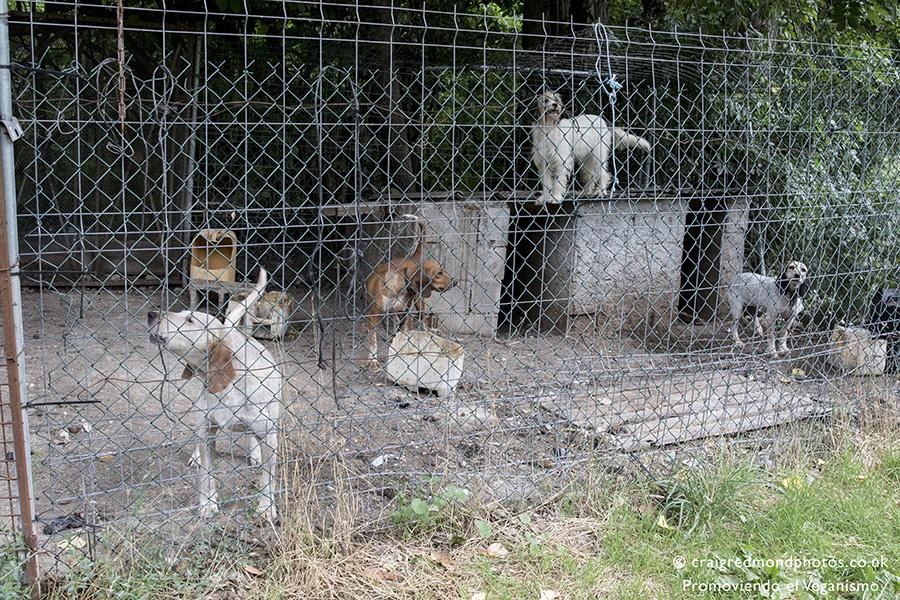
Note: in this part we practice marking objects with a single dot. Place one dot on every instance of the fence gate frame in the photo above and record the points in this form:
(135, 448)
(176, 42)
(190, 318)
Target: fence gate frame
(19, 511)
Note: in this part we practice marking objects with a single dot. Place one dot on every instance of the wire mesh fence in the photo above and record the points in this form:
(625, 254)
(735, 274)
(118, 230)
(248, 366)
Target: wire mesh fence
(579, 264)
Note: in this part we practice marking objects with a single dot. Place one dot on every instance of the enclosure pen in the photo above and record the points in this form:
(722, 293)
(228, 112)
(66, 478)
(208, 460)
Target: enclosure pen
(501, 255)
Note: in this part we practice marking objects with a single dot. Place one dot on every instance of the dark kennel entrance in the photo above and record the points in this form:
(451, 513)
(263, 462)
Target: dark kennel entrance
(701, 258)
(527, 301)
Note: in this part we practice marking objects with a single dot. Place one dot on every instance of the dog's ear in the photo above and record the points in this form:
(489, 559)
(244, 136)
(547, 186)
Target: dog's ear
(783, 282)
(417, 278)
(188, 372)
(220, 371)
(803, 289)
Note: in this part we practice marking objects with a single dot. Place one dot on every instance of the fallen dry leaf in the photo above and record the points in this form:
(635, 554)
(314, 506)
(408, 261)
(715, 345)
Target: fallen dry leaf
(442, 558)
(497, 550)
(645, 508)
(662, 522)
(379, 574)
(549, 595)
(251, 570)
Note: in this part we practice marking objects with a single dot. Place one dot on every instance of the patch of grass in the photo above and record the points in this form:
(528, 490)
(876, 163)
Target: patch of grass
(837, 525)
(696, 498)
(12, 554)
(437, 509)
(138, 566)
(890, 465)
(723, 529)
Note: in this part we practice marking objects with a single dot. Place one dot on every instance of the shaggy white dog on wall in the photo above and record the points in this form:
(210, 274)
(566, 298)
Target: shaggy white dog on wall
(558, 144)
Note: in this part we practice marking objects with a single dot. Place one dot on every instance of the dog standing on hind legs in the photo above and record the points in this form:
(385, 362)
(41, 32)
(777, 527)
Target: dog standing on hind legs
(242, 389)
(398, 288)
(770, 299)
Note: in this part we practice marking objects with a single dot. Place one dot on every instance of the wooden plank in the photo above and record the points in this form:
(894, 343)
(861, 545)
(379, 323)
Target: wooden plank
(762, 420)
(671, 412)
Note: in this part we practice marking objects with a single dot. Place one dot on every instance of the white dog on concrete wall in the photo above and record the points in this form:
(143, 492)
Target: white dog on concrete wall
(559, 144)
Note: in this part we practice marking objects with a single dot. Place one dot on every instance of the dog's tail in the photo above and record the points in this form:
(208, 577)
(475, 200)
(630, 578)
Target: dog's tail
(417, 253)
(237, 313)
(629, 140)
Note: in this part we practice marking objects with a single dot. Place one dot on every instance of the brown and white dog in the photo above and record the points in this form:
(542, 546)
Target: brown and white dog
(399, 287)
(242, 388)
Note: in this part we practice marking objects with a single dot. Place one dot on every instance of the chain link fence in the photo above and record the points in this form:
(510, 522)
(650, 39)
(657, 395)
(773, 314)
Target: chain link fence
(169, 154)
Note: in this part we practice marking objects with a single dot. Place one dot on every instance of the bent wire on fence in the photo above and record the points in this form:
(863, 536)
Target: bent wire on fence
(592, 330)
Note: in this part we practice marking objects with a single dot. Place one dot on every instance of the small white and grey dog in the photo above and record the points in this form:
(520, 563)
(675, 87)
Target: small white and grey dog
(770, 298)
(558, 144)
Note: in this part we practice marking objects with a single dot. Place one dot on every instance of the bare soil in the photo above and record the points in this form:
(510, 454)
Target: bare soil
(530, 411)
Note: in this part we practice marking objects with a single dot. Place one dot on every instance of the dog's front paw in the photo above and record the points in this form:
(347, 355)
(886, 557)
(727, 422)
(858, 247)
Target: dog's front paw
(784, 349)
(266, 511)
(373, 365)
(194, 460)
(208, 508)
(739, 345)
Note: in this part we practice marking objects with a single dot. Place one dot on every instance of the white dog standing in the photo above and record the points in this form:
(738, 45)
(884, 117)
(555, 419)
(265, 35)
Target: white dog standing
(770, 298)
(241, 391)
(559, 144)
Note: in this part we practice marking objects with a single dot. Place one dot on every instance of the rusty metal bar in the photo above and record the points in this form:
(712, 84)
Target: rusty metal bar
(11, 301)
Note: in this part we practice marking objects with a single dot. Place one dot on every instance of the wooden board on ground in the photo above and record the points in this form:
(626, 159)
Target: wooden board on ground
(656, 412)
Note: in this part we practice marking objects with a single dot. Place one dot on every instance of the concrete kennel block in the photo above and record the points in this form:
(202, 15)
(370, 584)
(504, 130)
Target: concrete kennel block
(609, 254)
(623, 258)
(469, 239)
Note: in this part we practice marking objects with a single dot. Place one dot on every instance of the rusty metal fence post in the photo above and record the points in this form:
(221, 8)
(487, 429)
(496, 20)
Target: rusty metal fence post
(12, 404)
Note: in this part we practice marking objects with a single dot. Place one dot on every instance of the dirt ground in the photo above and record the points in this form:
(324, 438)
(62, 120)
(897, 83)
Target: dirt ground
(528, 411)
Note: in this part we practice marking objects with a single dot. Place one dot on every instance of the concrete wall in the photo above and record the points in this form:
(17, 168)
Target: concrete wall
(622, 259)
(609, 251)
(736, 223)
(469, 240)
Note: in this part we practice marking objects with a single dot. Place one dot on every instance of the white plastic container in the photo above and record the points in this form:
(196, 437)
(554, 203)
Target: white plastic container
(422, 359)
(856, 352)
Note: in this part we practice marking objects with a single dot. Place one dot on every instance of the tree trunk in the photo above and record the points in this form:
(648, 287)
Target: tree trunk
(387, 118)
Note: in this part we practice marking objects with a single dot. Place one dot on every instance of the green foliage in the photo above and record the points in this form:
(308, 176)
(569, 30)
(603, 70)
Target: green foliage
(830, 178)
(12, 552)
(435, 508)
(696, 498)
(507, 18)
(853, 21)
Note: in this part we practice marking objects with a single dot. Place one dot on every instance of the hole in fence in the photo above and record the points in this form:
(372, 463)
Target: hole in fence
(701, 257)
